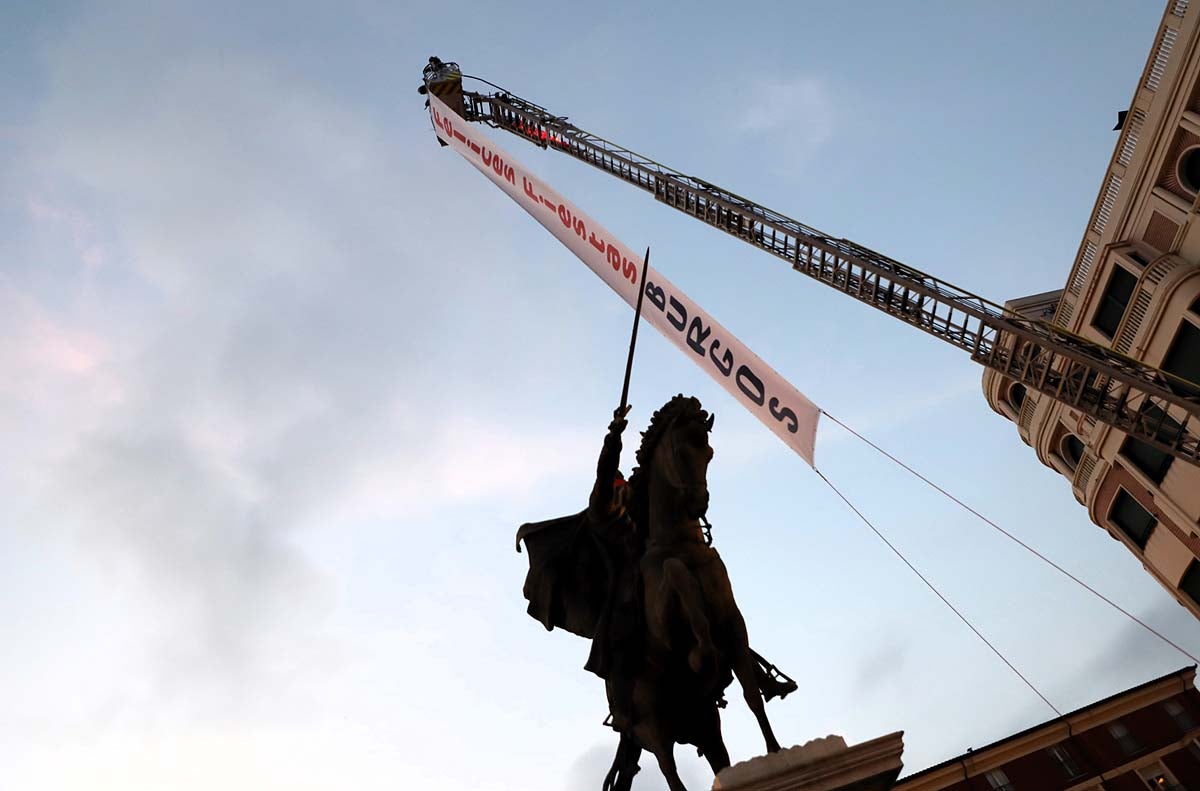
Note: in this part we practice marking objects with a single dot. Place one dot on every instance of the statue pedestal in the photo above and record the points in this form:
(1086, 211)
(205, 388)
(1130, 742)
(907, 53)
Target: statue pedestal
(820, 765)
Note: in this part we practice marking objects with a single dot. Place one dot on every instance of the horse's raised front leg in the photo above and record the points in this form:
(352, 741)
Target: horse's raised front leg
(677, 577)
(745, 667)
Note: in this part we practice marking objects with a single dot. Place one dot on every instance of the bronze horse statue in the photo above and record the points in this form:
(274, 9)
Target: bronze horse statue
(691, 637)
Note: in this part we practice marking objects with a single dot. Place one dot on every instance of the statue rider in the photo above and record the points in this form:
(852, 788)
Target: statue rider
(616, 647)
(585, 576)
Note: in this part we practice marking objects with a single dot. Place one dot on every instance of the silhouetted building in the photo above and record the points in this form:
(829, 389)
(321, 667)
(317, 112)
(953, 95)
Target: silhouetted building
(1135, 287)
(1143, 738)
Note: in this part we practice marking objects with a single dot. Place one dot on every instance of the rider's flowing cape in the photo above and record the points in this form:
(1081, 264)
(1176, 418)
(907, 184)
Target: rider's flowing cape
(570, 573)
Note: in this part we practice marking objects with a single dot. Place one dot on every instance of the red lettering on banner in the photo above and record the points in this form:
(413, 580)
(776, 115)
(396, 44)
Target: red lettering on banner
(580, 229)
(498, 165)
(631, 271)
(474, 146)
(564, 215)
(597, 243)
(549, 204)
(614, 257)
(529, 189)
(510, 175)
(487, 158)
(461, 137)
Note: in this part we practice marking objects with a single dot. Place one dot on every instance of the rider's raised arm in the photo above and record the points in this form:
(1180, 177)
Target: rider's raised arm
(606, 469)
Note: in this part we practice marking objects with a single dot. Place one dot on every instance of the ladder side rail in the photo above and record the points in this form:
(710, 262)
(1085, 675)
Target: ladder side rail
(621, 162)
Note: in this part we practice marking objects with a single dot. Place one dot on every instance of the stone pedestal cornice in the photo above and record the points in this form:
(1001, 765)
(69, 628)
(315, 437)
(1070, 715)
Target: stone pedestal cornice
(826, 764)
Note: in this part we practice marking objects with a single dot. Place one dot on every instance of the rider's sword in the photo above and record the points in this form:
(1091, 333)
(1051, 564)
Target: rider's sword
(637, 316)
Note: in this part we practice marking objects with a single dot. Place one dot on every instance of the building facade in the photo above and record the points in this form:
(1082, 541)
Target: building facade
(1135, 287)
(1143, 738)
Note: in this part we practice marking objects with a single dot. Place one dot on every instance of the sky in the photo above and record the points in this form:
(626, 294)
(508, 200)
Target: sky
(280, 377)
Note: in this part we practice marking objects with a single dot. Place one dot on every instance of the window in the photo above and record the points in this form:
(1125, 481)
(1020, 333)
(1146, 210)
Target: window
(1153, 462)
(1188, 169)
(1065, 761)
(1131, 518)
(1072, 450)
(999, 781)
(1124, 738)
(1147, 458)
(1190, 584)
(1116, 296)
(1016, 395)
(1183, 358)
(1182, 717)
(1156, 777)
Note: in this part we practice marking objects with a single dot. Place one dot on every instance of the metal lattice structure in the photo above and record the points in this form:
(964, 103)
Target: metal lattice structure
(1154, 406)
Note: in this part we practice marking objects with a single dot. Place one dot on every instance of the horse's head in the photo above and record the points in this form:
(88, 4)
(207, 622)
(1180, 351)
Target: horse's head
(675, 450)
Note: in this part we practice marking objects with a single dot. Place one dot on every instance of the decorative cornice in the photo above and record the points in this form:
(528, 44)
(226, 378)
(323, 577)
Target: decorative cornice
(870, 766)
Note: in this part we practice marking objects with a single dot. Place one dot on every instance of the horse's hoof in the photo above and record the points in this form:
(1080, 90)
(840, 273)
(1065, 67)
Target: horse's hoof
(776, 689)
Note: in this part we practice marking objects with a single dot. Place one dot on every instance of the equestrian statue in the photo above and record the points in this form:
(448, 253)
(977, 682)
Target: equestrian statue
(635, 573)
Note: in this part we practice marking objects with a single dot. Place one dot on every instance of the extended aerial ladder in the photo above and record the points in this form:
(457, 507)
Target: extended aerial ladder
(1145, 402)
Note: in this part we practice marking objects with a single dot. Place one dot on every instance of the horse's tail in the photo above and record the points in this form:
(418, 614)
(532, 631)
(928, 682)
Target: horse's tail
(624, 765)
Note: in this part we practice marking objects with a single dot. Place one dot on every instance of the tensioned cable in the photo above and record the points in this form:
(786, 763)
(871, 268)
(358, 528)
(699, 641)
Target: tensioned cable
(931, 587)
(1019, 542)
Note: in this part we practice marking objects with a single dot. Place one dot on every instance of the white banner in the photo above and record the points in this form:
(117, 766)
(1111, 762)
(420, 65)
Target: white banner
(771, 398)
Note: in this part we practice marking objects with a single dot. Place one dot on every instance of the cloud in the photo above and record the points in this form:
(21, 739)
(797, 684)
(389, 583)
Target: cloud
(1121, 662)
(590, 767)
(156, 506)
(79, 229)
(879, 665)
(270, 285)
(36, 343)
(902, 408)
(798, 111)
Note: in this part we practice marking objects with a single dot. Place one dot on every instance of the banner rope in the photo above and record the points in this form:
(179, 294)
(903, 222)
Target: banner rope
(1007, 535)
(937, 592)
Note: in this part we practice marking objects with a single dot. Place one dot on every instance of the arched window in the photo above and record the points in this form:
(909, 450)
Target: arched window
(1016, 395)
(1187, 169)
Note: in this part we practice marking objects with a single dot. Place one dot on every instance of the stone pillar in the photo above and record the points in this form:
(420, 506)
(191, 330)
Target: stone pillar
(820, 765)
